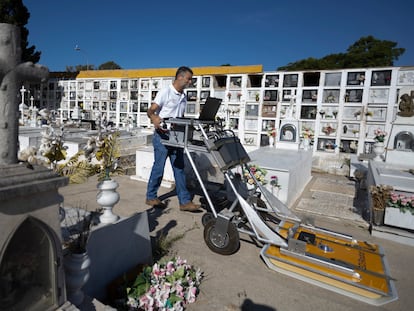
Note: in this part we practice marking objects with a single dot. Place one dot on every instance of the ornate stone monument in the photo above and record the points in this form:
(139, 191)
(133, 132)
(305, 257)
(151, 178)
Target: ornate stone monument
(400, 147)
(12, 74)
(31, 270)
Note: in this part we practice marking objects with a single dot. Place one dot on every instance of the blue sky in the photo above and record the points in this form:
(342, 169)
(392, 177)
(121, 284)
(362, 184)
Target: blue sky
(166, 33)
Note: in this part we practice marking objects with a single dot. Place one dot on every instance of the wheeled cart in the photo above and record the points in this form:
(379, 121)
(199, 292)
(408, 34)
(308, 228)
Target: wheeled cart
(328, 259)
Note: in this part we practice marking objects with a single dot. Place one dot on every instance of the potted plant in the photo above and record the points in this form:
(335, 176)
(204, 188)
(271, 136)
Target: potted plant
(380, 195)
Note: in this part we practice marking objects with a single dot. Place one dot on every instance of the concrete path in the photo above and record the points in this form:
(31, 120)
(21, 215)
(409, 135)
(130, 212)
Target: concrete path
(242, 281)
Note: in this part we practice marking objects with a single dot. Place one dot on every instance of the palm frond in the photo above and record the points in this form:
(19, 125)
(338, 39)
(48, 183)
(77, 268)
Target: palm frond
(77, 170)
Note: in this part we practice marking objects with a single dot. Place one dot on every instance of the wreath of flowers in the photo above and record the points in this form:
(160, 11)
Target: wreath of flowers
(165, 286)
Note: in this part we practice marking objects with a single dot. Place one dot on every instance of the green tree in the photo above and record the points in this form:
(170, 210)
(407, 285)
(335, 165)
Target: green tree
(84, 67)
(366, 52)
(15, 13)
(371, 52)
(109, 65)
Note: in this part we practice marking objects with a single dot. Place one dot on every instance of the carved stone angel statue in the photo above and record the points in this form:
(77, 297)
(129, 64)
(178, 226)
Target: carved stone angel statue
(406, 105)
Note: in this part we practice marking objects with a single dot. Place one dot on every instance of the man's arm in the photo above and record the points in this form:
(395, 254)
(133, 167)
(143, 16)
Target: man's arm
(152, 114)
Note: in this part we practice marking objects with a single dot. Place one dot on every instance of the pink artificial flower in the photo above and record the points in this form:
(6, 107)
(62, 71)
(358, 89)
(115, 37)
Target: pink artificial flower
(152, 290)
(181, 261)
(191, 294)
(156, 271)
(146, 302)
(394, 197)
(404, 201)
(179, 290)
(178, 306)
(165, 291)
(170, 268)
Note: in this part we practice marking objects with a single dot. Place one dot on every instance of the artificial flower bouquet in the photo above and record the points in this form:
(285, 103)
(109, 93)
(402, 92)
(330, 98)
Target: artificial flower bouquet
(379, 135)
(165, 286)
(307, 132)
(274, 182)
(271, 132)
(328, 130)
(404, 203)
(258, 173)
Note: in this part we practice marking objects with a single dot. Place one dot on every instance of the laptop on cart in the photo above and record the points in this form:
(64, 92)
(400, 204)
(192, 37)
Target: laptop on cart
(181, 130)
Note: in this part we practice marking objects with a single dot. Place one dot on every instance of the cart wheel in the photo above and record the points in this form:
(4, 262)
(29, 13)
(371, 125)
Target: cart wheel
(206, 218)
(226, 245)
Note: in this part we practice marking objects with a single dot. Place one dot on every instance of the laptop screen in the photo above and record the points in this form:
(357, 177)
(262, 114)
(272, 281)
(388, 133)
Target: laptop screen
(209, 111)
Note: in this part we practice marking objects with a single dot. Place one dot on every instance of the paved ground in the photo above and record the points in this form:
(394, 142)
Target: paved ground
(242, 281)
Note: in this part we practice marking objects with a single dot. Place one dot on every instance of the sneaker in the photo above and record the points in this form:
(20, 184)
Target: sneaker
(189, 207)
(155, 203)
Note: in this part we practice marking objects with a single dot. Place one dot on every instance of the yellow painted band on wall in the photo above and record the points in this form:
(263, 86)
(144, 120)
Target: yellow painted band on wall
(167, 72)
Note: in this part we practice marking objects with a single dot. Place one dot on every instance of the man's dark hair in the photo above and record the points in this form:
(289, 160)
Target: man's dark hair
(182, 70)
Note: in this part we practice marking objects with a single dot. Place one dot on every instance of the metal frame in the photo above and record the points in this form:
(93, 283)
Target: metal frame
(271, 235)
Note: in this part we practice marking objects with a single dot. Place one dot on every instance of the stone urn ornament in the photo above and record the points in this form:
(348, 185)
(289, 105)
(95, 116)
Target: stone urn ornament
(107, 197)
(108, 153)
(379, 149)
(379, 145)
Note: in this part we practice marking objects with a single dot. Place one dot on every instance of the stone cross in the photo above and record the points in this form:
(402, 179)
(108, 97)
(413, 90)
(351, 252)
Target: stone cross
(290, 109)
(12, 74)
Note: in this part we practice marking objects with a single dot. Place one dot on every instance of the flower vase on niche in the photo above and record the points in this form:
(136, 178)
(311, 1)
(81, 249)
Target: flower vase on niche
(306, 143)
(76, 275)
(379, 146)
(378, 216)
(107, 197)
(271, 141)
(379, 150)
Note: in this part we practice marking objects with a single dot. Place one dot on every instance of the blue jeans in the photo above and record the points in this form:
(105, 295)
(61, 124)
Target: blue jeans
(176, 155)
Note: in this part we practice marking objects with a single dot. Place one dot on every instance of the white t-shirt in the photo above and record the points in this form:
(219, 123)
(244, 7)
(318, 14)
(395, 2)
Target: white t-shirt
(171, 104)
